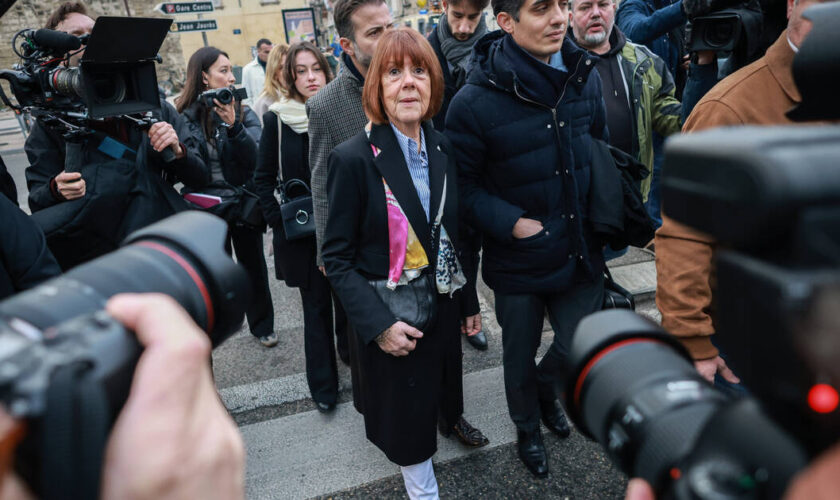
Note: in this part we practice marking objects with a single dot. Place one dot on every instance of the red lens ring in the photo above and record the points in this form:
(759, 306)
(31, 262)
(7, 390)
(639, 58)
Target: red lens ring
(199, 283)
(592, 362)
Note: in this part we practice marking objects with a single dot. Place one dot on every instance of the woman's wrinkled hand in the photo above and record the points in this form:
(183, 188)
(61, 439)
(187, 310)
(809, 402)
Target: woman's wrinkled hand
(399, 339)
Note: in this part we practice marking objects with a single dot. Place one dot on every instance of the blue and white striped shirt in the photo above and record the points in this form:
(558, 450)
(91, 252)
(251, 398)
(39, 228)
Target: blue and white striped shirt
(418, 165)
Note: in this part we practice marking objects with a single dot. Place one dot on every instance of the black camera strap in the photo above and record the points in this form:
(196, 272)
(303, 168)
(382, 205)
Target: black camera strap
(76, 425)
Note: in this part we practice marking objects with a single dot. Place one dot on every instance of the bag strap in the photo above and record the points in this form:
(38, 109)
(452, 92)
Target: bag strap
(279, 151)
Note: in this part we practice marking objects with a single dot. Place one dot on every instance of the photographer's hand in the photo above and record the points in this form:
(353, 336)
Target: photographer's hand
(70, 185)
(709, 367)
(227, 112)
(173, 437)
(162, 135)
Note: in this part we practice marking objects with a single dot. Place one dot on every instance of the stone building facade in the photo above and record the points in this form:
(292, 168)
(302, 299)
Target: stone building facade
(240, 24)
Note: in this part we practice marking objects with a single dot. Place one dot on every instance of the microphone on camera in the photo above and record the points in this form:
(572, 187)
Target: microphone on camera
(58, 41)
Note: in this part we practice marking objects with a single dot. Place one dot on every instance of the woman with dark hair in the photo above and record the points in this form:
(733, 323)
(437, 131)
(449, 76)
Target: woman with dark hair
(284, 150)
(228, 136)
(390, 253)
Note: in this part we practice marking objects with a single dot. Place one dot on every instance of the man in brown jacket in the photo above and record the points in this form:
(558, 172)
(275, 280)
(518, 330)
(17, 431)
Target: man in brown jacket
(758, 94)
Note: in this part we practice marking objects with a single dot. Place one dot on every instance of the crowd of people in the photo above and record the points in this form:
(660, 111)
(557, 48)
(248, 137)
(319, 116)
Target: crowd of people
(423, 158)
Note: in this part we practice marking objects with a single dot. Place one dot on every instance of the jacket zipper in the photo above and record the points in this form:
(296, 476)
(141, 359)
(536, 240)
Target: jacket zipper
(554, 109)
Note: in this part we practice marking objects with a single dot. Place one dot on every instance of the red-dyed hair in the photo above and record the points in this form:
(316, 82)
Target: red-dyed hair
(392, 49)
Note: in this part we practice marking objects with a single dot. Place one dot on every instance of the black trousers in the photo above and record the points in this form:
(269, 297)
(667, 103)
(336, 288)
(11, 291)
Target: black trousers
(318, 345)
(521, 318)
(248, 245)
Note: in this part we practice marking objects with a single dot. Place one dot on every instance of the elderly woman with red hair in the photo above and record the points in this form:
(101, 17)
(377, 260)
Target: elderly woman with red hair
(390, 254)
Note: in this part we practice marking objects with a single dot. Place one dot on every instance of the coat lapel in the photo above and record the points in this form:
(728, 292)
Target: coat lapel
(391, 164)
(437, 167)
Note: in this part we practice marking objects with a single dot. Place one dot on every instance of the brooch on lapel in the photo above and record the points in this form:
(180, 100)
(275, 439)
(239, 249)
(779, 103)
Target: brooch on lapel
(376, 150)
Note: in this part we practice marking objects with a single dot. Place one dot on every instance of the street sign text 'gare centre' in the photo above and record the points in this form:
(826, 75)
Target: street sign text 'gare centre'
(185, 7)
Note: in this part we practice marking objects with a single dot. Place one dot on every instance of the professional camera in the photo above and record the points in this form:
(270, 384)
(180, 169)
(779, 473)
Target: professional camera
(116, 75)
(224, 95)
(723, 29)
(66, 366)
(771, 199)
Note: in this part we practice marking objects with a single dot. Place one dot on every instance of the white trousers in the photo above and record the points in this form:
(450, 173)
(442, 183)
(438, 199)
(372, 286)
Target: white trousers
(420, 481)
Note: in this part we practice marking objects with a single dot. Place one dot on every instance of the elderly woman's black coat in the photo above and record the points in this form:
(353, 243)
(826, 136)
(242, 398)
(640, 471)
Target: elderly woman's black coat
(397, 395)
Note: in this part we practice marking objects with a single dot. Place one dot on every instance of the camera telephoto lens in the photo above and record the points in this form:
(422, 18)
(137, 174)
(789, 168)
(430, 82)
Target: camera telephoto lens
(634, 389)
(67, 81)
(182, 256)
(110, 89)
(225, 96)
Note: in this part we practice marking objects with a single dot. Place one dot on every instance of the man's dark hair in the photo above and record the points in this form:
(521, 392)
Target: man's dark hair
(510, 6)
(62, 11)
(263, 41)
(343, 11)
(478, 5)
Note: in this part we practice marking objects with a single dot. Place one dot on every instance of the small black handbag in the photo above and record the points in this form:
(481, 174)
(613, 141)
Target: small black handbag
(414, 303)
(296, 212)
(234, 204)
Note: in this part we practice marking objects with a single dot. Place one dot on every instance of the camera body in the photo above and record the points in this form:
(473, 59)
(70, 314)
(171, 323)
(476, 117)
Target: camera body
(735, 28)
(224, 95)
(770, 197)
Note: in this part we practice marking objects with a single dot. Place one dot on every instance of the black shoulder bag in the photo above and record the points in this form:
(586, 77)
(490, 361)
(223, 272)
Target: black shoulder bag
(295, 212)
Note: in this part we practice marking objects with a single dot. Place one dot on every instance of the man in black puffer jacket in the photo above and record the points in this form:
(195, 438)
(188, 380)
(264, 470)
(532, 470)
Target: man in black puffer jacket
(522, 128)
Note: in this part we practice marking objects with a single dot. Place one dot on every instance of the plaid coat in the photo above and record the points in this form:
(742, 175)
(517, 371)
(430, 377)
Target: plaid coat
(335, 115)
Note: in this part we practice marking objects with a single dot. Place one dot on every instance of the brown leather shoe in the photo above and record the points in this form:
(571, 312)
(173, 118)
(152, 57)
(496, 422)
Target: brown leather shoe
(465, 433)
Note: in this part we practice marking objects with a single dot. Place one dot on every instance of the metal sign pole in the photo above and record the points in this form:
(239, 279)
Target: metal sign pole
(203, 33)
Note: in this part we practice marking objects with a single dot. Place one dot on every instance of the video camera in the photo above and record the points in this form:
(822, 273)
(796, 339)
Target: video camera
(66, 366)
(771, 199)
(115, 78)
(731, 22)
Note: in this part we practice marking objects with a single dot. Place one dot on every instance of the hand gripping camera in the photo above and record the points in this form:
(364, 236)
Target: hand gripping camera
(224, 95)
(66, 366)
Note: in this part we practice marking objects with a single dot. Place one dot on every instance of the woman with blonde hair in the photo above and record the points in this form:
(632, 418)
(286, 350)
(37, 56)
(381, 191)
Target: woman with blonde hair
(273, 89)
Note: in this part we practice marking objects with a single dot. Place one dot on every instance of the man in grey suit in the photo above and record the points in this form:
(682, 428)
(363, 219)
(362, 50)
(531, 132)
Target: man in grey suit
(335, 115)
(335, 112)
